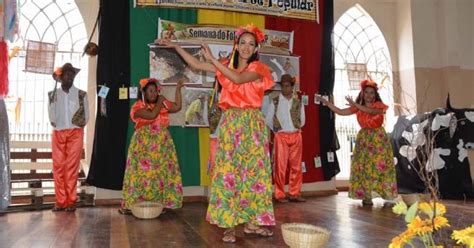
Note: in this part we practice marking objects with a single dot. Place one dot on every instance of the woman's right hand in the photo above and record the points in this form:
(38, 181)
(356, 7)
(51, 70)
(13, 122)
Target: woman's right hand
(166, 42)
(322, 99)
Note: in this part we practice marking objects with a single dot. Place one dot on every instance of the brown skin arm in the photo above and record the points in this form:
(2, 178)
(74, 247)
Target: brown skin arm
(238, 78)
(365, 109)
(334, 108)
(177, 104)
(190, 60)
(150, 114)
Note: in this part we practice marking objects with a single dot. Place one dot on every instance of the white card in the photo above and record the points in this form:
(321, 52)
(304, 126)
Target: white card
(304, 99)
(330, 157)
(317, 161)
(327, 99)
(133, 93)
(316, 99)
(104, 90)
(303, 167)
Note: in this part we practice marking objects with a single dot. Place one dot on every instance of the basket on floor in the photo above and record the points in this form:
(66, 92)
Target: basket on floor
(147, 210)
(299, 235)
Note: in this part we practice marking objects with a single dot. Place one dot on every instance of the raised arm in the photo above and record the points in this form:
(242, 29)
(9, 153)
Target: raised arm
(150, 114)
(333, 108)
(238, 78)
(177, 104)
(190, 60)
(368, 110)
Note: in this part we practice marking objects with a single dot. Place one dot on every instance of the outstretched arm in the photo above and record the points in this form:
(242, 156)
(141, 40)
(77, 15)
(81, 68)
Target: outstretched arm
(238, 78)
(365, 109)
(333, 108)
(190, 60)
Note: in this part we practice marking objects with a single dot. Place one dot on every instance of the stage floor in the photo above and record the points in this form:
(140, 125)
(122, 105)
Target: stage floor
(351, 224)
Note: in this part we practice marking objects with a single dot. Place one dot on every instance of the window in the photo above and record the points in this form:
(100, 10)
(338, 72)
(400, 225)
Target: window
(359, 46)
(58, 22)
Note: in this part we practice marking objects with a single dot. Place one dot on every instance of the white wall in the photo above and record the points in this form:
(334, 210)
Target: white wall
(89, 10)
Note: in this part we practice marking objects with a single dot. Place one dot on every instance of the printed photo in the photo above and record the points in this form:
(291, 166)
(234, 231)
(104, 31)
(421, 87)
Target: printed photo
(195, 105)
(280, 65)
(168, 67)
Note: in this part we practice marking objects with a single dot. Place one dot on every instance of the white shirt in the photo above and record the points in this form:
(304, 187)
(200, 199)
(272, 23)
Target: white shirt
(66, 105)
(283, 114)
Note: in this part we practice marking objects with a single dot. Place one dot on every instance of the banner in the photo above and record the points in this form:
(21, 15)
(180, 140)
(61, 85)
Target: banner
(275, 41)
(301, 9)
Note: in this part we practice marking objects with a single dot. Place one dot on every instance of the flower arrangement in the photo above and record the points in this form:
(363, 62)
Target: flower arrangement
(145, 81)
(58, 72)
(368, 83)
(423, 220)
(464, 236)
(250, 28)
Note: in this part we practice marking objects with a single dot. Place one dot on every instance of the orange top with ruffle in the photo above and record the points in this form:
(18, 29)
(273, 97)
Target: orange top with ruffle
(246, 95)
(162, 118)
(367, 120)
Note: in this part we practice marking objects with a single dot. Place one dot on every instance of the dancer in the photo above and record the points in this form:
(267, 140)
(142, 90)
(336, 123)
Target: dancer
(152, 172)
(372, 167)
(241, 190)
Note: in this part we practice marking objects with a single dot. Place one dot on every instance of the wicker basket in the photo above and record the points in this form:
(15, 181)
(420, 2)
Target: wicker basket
(299, 235)
(147, 210)
(410, 199)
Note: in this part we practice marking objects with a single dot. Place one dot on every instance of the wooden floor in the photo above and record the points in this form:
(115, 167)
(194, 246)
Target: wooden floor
(352, 225)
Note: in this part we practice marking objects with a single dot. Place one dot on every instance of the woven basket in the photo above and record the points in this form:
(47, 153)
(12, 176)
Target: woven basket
(299, 235)
(410, 199)
(147, 210)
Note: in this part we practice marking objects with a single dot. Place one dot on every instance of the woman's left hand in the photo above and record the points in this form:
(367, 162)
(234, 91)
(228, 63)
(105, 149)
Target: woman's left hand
(206, 51)
(350, 101)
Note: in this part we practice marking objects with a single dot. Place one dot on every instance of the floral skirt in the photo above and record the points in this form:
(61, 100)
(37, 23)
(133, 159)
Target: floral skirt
(241, 190)
(152, 172)
(372, 169)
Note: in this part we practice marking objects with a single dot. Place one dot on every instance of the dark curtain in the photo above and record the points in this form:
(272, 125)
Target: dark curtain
(307, 45)
(327, 130)
(113, 70)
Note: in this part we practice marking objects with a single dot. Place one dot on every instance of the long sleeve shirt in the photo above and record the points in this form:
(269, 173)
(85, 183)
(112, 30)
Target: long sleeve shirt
(64, 106)
(283, 114)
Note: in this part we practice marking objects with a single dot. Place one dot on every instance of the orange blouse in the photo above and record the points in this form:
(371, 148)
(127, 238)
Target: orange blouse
(367, 120)
(162, 119)
(246, 95)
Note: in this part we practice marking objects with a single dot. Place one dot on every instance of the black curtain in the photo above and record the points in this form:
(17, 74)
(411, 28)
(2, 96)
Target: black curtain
(113, 70)
(327, 128)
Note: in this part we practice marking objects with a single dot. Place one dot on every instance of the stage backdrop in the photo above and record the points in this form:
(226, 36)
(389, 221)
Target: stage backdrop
(192, 144)
(143, 23)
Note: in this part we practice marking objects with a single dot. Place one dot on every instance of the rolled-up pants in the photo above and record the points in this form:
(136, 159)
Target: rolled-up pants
(288, 148)
(67, 150)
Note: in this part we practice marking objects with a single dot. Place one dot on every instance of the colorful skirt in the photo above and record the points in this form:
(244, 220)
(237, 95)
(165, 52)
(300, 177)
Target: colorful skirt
(241, 190)
(373, 171)
(152, 172)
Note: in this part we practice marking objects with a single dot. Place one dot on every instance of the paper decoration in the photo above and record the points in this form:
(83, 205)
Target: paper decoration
(40, 57)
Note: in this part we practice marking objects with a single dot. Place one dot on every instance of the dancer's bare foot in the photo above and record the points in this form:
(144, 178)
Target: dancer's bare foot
(229, 236)
(258, 230)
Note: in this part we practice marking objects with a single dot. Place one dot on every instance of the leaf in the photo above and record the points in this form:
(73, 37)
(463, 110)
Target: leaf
(411, 213)
(400, 208)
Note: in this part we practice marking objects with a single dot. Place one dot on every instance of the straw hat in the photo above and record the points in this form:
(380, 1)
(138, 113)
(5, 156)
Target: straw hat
(57, 75)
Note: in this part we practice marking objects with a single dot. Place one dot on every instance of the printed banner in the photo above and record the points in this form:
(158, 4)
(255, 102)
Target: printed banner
(300, 9)
(275, 41)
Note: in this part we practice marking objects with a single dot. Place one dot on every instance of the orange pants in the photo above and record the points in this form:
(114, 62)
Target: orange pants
(67, 150)
(288, 149)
